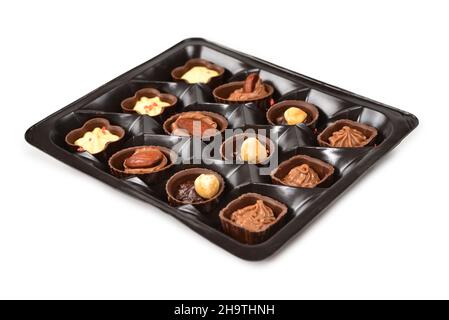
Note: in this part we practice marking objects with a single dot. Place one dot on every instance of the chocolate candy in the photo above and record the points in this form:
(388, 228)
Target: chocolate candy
(303, 171)
(253, 88)
(198, 71)
(254, 217)
(302, 176)
(144, 158)
(347, 137)
(346, 133)
(195, 123)
(195, 186)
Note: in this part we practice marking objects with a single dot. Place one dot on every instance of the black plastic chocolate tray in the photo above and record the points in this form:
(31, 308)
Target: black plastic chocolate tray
(303, 204)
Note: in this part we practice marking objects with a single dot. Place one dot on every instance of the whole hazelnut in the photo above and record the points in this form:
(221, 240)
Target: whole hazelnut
(253, 151)
(294, 116)
(206, 185)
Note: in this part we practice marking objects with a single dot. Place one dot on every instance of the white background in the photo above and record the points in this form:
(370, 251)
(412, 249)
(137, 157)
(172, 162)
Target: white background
(387, 237)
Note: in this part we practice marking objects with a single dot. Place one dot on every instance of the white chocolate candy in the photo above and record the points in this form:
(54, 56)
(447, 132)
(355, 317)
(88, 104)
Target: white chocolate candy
(206, 185)
(150, 106)
(253, 151)
(95, 141)
(199, 74)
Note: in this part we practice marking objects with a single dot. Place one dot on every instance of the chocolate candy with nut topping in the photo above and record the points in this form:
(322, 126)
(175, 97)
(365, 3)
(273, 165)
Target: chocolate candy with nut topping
(192, 123)
(146, 158)
(253, 88)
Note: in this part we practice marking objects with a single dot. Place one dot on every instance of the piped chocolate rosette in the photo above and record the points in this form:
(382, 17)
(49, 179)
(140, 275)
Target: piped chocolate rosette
(347, 137)
(252, 218)
(302, 176)
(302, 171)
(347, 134)
(142, 160)
(195, 123)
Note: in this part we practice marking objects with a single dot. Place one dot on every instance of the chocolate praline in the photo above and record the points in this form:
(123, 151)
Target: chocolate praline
(180, 187)
(142, 161)
(275, 114)
(293, 173)
(252, 218)
(129, 103)
(346, 133)
(188, 123)
(90, 125)
(231, 148)
(252, 89)
(178, 73)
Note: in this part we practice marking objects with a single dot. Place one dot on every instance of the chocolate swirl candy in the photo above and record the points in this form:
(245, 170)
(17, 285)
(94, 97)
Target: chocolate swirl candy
(145, 160)
(253, 88)
(347, 137)
(193, 123)
(255, 217)
(302, 176)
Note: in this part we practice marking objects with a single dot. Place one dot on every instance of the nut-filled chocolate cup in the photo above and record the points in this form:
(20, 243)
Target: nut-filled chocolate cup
(94, 136)
(248, 147)
(142, 103)
(347, 134)
(252, 89)
(199, 71)
(252, 218)
(296, 111)
(150, 163)
(199, 187)
(302, 171)
(195, 123)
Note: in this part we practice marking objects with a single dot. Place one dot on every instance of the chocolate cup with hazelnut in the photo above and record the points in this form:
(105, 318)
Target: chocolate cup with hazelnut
(189, 175)
(221, 122)
(275, 114)
(324, 170)
(178, 72)
(117, 164)
(222, 93)
(230, 148)
(246, 236)
(369, 132)
(129, 103)
(90, 125)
